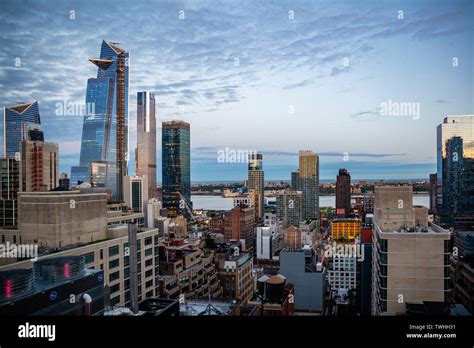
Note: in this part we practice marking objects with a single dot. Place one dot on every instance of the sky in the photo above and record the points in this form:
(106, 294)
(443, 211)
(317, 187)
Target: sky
(362, 83)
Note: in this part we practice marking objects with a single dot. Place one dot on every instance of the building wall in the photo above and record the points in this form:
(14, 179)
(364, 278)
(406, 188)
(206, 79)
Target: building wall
(57, 219)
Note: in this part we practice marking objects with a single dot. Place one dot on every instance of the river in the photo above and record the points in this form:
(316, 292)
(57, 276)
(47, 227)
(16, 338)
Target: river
(221, 203)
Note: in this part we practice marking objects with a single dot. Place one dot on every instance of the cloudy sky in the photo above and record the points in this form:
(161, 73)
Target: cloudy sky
(272, 76)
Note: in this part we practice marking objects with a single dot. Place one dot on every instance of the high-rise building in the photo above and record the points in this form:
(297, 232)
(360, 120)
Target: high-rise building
(257, 182)
(455, 172)
(309, 183)
(239, 225)
(343, 193)
(38, 166)
(105, 130)
(410, 254)
(21, 122)
(289, 207)
(176, 168)
(135, 192)
(145, 154)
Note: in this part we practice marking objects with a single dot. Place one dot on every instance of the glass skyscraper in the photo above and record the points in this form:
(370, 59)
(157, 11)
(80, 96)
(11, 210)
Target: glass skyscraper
(176, 168)
(21, 122)
(455, 166)
(105, 132)
(145, 154)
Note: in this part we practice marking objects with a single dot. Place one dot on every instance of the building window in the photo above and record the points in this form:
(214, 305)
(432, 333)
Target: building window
(115, 300)
(148, 273)
(113, 250)
(114, 276)
(114, 263)
(149, 283)
(148, 262)
(148, 252)
(89, 257)
(115, 288)
(101, 254)
(148, 240)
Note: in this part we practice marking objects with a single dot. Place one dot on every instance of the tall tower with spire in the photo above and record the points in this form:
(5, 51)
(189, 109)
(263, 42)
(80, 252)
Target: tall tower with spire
(105, 129)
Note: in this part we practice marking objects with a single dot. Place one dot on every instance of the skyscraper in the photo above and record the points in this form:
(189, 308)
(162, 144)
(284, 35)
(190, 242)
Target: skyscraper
(455, 154)
(410, 254)
(343, 193)
(105, 131)
(135, 190)
(145, 155)
(289, 208)
(309, 183)
(257, 182)
(176, 167)
(21, 122)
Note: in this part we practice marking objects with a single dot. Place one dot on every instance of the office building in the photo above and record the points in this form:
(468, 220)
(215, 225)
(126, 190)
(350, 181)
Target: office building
(21, 122)
(105, 130)
(176, 168)
(136, 193)
(98, 174)
(343, 193)
(239, 225)
(302, 268)
(410, 254)
(342, 269)
(309, 183)
(38, 166)
(257, 183)
(345, 228)
(145, 153)
(112, 256)
(455, 172)
(289, 208)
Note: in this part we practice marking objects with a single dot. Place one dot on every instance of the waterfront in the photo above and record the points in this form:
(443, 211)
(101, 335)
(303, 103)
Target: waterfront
(221, 203)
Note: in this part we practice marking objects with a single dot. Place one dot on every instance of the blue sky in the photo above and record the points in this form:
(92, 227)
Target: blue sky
(272, 76)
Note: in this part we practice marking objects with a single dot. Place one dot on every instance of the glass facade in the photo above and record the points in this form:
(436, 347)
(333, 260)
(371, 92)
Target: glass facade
(455, 171)
(21, 122)
(176, 168)
(105, 132)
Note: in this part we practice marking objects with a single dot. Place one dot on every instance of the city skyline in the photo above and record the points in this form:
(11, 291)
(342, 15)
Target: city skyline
(308, 55)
